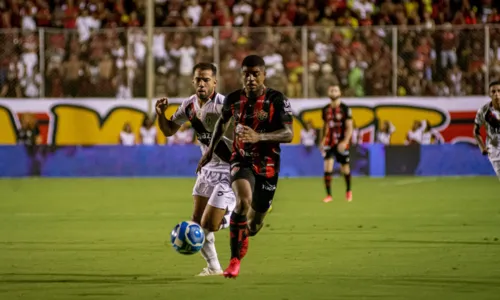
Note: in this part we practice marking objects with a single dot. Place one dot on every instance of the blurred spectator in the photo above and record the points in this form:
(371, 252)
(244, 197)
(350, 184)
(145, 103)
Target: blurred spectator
(385, 133)
(308, 136)
(127, 137)
(96, 48)
(185, 135)
(148, 133)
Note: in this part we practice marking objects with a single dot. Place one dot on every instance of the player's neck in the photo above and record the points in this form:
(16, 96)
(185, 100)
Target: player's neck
(257, 94)
(202, 102)
(495, 106)
(335, 103)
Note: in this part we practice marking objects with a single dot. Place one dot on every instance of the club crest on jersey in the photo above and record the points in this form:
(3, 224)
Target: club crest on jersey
(198, 114)
(338, 116)
(262, 115)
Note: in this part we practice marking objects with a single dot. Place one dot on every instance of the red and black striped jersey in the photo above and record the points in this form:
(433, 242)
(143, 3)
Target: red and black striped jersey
(267, 113)
(335, 119)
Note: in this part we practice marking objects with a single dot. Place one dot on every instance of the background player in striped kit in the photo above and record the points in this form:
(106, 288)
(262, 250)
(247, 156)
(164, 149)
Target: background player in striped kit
(489, 116)
(336, 139)
(214, 199)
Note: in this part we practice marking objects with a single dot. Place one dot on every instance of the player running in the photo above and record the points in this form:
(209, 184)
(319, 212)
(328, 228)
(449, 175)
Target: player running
(336, 138)
(263, 120)
(214, 199)
(489, 116)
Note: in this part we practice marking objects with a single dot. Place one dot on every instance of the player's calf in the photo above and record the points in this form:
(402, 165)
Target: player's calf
(255, 221)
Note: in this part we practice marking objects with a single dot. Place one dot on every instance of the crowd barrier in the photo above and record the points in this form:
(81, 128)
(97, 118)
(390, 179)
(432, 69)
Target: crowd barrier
(373, 160)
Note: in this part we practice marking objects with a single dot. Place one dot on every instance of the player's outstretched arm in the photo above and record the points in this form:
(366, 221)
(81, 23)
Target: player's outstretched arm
(479, 139)
(168, 127)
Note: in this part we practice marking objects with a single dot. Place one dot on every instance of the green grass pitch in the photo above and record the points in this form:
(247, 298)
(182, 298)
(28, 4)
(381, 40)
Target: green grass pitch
(401, 238)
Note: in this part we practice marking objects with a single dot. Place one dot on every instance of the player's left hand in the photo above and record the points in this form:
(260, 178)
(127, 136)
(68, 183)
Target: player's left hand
(342, 146)
(248, 135)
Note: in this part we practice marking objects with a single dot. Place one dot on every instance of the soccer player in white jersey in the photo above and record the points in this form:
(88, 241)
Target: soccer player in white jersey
(489, 116)
(214, 199)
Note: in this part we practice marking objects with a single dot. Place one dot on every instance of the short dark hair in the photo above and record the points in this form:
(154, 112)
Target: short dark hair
(493, 83)
(202, 66)
(253, 61)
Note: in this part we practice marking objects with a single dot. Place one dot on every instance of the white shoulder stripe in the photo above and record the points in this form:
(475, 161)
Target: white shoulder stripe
(219, 99)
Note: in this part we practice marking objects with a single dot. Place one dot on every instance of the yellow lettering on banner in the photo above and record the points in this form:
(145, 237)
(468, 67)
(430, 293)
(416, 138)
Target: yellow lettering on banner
(363, 116)
(403, 118)
(77, 125)
(8, 129)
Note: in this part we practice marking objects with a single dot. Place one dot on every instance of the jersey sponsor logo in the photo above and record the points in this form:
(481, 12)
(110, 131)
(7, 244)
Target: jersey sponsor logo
(268, 187)
(204, 137)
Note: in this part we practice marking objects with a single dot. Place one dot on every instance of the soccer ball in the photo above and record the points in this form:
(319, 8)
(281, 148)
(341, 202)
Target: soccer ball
(187, 237)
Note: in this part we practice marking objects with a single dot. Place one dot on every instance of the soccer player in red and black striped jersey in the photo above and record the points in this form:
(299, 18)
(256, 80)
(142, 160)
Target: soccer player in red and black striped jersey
(263, 120)
(337, 133)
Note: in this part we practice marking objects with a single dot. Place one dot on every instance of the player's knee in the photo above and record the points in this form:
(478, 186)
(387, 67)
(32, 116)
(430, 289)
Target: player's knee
(196, 218)
(243, 203)
(210, 224)
(345, 169)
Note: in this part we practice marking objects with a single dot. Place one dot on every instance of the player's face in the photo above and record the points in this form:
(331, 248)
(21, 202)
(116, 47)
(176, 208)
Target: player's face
(495, 95)
(204, 83)
(334, 92)
(253, 78)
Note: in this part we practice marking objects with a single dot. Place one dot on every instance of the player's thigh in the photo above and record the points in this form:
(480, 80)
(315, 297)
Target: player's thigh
(263, 194)
(221, 203)
(242, 182)
(200, 203)
(202, 191)
(328, 161)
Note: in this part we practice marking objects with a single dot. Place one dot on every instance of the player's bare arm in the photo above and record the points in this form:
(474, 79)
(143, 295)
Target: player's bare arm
(168, 127)
(348, 135)
(220, 127)
(284, 135)
(479, 139)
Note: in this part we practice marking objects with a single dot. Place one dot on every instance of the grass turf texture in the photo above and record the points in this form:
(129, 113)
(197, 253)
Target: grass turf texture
(401, 238)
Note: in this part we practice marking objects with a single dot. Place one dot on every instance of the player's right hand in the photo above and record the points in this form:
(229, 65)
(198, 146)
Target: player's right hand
(161, 105)
(205, 159)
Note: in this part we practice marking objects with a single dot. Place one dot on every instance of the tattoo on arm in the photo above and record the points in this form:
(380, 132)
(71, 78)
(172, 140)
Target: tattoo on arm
(284, 135)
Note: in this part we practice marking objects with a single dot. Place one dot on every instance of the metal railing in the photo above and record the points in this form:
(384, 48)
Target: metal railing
(301, 61)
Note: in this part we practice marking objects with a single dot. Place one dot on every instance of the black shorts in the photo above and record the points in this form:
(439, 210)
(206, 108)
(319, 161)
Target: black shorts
(332, 152)
(263, 188)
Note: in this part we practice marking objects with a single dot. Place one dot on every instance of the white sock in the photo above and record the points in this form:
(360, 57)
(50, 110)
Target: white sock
(208, 251)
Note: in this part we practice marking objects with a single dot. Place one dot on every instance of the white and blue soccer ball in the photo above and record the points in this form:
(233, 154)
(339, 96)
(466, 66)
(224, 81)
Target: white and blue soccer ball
(187, 237)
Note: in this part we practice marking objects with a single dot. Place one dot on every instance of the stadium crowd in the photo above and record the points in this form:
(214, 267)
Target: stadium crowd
(97, 48)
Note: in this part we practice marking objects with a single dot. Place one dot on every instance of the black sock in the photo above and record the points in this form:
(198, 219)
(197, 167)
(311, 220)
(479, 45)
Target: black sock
(237, 231)
(327, 177)
(347, 178)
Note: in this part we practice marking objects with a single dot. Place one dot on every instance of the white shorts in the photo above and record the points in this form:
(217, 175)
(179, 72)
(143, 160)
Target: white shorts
(217, 187)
